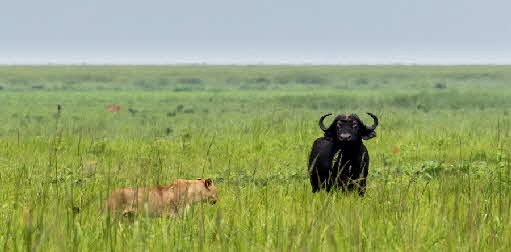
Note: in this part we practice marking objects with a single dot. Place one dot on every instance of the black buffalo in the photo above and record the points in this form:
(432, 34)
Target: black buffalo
(340, 159)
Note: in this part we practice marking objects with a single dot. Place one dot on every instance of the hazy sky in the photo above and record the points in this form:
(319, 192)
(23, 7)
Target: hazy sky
(239, 31)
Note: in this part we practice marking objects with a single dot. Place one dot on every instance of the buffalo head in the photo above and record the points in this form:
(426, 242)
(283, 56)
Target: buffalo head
(349, 128)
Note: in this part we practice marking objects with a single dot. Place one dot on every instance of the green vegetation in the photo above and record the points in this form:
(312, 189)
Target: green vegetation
(440, 175)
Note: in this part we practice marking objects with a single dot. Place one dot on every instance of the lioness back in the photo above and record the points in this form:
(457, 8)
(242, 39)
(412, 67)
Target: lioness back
(131, 199)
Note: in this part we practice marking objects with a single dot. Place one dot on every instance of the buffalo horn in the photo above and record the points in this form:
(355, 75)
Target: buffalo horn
(321, 125)
(375, 124)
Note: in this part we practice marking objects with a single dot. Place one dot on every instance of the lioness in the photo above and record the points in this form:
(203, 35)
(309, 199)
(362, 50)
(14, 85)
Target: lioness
(161, 200)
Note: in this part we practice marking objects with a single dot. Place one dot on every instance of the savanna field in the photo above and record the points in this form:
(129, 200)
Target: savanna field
(439, 178)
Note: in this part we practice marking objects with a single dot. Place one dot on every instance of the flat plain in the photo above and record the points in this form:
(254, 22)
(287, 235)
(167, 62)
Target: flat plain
(439, 179)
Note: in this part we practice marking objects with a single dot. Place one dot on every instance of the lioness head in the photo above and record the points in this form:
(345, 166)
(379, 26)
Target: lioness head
(210, 195)
(197, 190)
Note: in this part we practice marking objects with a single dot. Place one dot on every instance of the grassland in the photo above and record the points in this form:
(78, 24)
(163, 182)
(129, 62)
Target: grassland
(440, 176)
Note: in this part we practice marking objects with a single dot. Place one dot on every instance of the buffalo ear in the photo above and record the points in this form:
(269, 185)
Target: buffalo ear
(208, 182)
(368, 134)
(331, 131)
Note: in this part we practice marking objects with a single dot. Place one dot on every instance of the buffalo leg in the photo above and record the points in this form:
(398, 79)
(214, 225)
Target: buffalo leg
(315, 181)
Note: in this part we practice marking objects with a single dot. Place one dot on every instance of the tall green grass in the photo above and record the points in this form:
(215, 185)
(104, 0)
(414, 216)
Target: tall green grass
(440, 176)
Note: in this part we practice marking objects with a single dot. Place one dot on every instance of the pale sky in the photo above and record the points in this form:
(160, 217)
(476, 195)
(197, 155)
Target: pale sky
(258, 31)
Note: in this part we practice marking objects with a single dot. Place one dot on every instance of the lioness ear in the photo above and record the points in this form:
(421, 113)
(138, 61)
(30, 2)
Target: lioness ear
(368, 135)
(208, 182)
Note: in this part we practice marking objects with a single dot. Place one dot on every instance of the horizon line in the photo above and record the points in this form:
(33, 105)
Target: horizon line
(255, 64)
